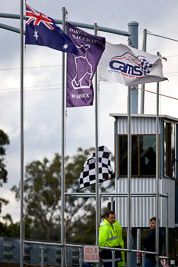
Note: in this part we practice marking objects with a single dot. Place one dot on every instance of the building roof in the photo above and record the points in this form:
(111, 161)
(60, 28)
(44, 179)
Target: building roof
(162, 117)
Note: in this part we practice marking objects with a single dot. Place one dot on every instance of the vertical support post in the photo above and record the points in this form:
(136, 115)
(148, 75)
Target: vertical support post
(142, 102)
(143, 259)
(116, 168)
(63, 147)
(129, 182)
(42, 255)
(112, 205)
(167, 229)
(157, 174)
(138, 245)
(21, 131)
(132, 108)
(113, 257)
(133, 41)
(80, 257)
(96, 155)
(176, 175)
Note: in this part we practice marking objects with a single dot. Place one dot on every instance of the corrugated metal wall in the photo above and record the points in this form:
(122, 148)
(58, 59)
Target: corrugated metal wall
(143, 208)
(138, 125)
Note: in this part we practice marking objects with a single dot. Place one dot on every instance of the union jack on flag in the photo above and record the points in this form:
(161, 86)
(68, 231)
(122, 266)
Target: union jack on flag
(42, 30)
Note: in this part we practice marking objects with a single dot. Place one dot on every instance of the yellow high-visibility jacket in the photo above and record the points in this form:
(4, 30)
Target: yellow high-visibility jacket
(118, 229)
(107, 235)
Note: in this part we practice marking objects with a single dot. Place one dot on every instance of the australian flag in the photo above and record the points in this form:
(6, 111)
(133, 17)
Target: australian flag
(42, 30)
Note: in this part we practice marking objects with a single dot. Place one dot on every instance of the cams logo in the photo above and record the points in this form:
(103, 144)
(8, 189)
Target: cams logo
(130, 65)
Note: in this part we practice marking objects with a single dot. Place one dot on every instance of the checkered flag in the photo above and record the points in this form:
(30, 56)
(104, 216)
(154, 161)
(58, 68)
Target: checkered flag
(88, 175)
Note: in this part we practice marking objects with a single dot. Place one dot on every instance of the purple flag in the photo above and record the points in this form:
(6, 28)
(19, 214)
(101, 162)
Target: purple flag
(81, 68)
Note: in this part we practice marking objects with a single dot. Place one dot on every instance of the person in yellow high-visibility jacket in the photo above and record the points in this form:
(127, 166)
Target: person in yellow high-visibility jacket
(109, 236)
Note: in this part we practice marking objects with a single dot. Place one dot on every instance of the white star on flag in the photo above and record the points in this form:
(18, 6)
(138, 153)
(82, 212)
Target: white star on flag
(65, 46)
(36, 34)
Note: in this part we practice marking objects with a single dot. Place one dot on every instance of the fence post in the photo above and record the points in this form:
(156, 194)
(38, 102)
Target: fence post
(80, 257)
(113, 257)
(143, 259)
(42, 255)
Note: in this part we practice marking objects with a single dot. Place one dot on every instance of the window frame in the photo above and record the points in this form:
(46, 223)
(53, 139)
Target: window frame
(139, 165)
(167, 149)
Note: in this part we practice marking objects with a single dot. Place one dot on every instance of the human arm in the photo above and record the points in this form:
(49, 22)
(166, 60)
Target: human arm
(103, 235)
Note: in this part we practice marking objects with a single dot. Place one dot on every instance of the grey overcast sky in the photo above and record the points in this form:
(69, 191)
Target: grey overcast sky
(42, 106)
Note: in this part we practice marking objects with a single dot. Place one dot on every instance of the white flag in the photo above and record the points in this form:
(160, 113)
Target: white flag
(129, 66)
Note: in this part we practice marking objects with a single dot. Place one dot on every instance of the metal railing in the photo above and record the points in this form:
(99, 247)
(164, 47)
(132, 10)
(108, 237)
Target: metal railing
(80, 249)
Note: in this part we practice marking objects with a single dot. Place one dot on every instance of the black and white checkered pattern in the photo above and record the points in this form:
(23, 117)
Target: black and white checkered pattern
(87, 176)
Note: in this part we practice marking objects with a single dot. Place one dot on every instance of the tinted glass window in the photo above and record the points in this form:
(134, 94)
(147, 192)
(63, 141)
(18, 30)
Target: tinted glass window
(123, 154)
(148, 155)
(143, 157)
(134, 170)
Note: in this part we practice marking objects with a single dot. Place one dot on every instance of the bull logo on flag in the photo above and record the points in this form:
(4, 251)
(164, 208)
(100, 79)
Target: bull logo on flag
(83, 76)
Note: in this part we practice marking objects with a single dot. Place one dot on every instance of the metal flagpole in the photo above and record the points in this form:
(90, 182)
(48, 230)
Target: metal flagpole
(132, 108)
(63, 147)
(21, 129)
(96, 155)
(157, 173)
(143, 85)
(129, 180)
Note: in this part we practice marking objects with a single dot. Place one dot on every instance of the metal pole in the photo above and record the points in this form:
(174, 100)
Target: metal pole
(142, 104)
(42, 256)
(133, 41)
(157, 174)
(116, 168)
(138, 245)
(167, 229)
(143, 259)
(128, 183)
(21, 132)
(113, 258)
(80, 257)
(63, 146)
(77, 24)
(112, 205)
(96, 154)
(132, 108)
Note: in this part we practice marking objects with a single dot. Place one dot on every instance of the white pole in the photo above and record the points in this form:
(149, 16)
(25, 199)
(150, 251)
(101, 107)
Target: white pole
(157, 173)
(96, 155)
(21, 129)
(129, 180)
(63, 147)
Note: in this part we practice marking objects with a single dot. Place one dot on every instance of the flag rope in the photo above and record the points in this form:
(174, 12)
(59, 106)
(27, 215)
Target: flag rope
(175, 98)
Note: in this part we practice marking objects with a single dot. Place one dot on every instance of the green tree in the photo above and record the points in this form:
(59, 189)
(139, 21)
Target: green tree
(42, 193)
(4, 141)
(8, 228)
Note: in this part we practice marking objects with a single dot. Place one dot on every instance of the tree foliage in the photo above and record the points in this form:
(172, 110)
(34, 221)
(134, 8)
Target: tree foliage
(42, 198)
(8, 228)
(4, 141)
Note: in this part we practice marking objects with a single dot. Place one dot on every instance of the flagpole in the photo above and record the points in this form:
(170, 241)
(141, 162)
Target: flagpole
(129, 175)
(21, 129)
(63, 147)
(96, 155)
(157, 173)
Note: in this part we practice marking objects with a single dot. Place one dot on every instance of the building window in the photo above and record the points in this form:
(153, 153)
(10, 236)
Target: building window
(169, 149)
(143, 155)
